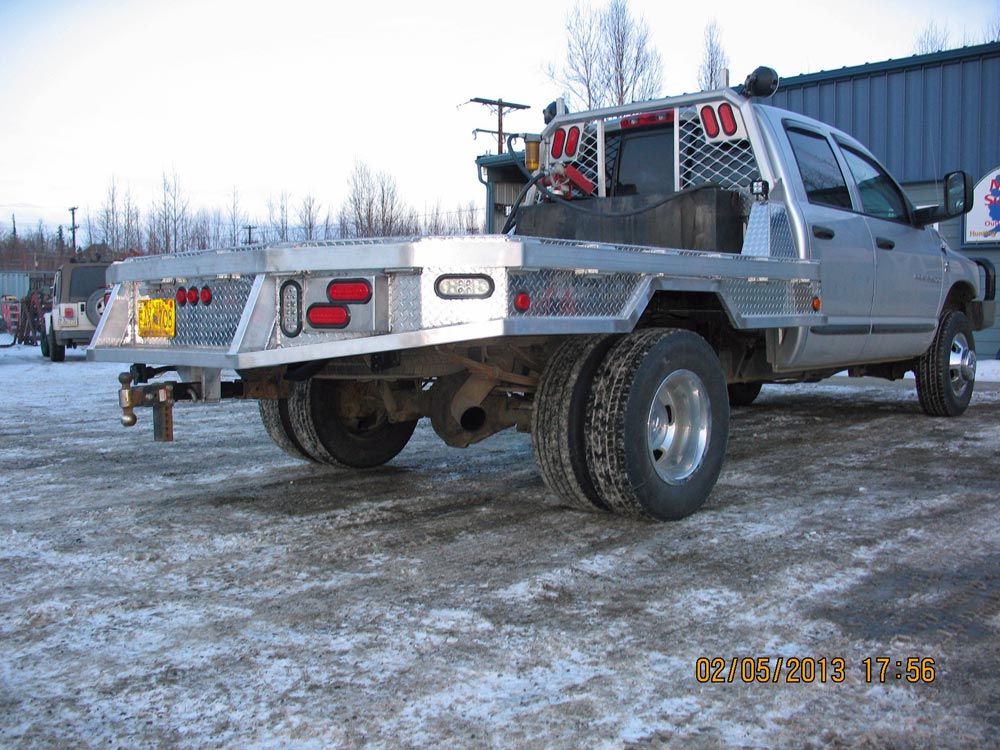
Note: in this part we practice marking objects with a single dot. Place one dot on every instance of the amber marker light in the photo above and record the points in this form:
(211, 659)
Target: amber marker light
(817, 304)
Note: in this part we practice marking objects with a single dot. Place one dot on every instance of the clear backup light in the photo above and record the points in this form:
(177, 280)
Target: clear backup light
(453, 286)
(290, 314)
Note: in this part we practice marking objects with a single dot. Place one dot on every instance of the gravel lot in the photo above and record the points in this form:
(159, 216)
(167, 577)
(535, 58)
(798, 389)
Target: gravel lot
(213, 593)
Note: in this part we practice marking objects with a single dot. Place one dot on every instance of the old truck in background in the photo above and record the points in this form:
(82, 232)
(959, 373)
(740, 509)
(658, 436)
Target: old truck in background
(664, 260)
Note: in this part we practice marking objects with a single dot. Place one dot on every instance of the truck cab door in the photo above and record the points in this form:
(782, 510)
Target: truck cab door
(909, 263)
(839, 238)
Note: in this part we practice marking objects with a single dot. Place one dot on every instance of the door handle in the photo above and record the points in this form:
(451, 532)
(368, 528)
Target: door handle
(823, 233)
(885, 243)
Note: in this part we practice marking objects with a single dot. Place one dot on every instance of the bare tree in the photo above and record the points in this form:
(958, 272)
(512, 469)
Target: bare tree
(200, 231)
(634, 69)
(171, 216)
(235, 218)
(330, 229)
(610, 58)
(155, 242)
(132, 224)
(581, 73)
(109, 219)
(469, 221)
(308, 216)
(277, 216)
(374, 207)
(713, 71)
(435, 221)
(932, 38)
(992, 31)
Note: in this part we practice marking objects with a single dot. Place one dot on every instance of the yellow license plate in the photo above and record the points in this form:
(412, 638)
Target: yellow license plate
(157, 318)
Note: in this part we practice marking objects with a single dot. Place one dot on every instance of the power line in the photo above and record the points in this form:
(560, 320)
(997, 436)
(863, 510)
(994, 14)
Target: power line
(501, 106)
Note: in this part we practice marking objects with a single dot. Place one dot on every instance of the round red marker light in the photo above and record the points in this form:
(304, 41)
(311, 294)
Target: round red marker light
(181, 297)
(206, 295)
(522, 301)
(192, 295)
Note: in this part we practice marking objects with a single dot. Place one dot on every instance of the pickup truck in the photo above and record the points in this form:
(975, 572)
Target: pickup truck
(664, 260)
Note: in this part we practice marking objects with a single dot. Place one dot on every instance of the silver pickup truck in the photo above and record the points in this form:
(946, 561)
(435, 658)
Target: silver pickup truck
(664, 260)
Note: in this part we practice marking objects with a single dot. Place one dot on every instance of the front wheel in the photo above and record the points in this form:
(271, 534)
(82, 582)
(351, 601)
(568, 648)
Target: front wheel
(946, 373)
(658, 424)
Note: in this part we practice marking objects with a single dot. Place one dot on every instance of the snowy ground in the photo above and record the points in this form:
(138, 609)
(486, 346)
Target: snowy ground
(214, 593)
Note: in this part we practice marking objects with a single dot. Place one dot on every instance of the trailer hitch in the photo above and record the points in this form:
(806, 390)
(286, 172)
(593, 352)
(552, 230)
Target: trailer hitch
(160, 396)
(163, 395)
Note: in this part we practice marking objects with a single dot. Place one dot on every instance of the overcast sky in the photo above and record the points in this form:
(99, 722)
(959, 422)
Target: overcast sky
(287, 95)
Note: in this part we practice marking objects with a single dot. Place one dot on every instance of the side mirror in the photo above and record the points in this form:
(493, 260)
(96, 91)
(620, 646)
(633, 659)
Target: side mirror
(957, 200)
(957, 194)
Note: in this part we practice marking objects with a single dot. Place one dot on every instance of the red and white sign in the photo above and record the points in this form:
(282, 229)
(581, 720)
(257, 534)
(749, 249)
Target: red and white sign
(982, 223)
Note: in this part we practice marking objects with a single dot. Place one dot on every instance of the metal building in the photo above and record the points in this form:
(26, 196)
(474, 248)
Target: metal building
(922, 116)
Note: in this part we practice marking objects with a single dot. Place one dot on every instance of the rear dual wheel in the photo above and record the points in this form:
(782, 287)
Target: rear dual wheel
(558, 421)
(652, 436)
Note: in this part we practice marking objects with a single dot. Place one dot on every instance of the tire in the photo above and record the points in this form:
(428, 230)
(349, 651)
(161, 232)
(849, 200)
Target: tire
(274, 415)
(43, 341)
(314, 412)
(95, 306)
(57, 352)
(743, 394)
(946, 372)
(658, 424)
(558, 421)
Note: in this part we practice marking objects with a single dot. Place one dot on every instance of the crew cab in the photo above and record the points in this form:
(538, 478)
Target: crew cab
(664, 259)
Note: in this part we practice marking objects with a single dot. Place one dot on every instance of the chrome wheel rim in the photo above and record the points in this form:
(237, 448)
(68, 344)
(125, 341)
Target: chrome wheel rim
(678, 426)
(961, 365)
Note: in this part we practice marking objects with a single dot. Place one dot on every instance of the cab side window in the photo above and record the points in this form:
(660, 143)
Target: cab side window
(824, 182)
(880, 197)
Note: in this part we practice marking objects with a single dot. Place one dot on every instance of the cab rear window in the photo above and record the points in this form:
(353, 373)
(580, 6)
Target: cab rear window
(646, 163)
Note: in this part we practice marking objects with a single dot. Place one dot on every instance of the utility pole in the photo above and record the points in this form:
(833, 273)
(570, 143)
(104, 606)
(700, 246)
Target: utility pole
(500, 105)
(73, 227)
(249, 234)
